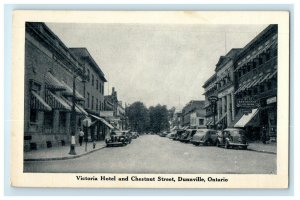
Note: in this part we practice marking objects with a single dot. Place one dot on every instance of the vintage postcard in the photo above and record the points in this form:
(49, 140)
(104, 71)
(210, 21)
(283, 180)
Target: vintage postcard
(115, 99)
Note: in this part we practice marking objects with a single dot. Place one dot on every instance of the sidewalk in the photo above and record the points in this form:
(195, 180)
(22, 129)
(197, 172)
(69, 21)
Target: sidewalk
(62, 152)
(264, 148)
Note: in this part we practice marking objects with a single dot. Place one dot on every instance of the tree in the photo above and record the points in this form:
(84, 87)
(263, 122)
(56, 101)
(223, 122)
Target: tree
(159, 118)
(138, 117)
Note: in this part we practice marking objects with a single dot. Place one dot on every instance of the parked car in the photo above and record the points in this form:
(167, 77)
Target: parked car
(187, 135)
(171, 135)
(164, 133)
(118, 138)
(205, 137)
(232, 137)
(179, 132)
(134, 135)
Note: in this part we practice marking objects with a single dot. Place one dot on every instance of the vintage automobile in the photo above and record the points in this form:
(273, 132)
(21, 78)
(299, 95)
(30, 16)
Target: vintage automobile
(135, 135)
(171, 135)
(232, 137)
(179, 132)
(118, 138)
(187, 135)
(164, 133)
(204, 137)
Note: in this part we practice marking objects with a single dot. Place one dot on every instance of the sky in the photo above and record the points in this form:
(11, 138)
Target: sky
(156, 63)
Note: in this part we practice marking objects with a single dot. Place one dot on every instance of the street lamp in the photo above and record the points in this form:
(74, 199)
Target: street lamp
(213, 100)
(73, 119)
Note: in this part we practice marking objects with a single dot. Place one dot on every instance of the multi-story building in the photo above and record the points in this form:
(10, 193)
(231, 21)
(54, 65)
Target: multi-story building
(256, 83)
(50, 71)
(210, 89)
(188, 109)
(113, 105)
(176, 121)
(93, 90)
(225, 88)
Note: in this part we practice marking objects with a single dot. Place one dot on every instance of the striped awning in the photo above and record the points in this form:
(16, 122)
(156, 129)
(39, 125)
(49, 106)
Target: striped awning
(38, 103)
(78, 108)
(56, 102)
(103, 121)
(69, 92)
(53, 83)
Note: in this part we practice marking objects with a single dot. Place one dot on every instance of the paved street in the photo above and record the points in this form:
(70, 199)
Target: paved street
(154, 154)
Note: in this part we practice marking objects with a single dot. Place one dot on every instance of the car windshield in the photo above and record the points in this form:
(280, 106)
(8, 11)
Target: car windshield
(235, 132)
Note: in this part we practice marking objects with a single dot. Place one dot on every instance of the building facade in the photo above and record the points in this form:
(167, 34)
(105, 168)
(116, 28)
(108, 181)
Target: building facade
(50, 71)
(188, 109)
(210, 90)
(225, 89)
(93, 90)
(256, 85)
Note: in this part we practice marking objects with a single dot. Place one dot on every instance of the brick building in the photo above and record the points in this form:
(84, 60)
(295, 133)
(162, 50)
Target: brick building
(189, 109)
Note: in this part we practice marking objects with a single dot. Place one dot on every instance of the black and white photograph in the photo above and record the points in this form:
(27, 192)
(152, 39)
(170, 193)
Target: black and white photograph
(152, 98)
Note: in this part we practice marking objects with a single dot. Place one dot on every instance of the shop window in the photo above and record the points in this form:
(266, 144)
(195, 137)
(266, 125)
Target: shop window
(255, 91)
(261, 88)
(62, 119)
(269, 85)
(48, 119)
(33, 115)
(201, 121)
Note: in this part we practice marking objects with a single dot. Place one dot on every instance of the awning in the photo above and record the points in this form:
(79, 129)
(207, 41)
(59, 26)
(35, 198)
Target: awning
(78, 108)
(69, 92)
(209, 122)
(56, 102)
(222, 117)
(53, 83)
(38, 103)
(246, 118)
(103, 121)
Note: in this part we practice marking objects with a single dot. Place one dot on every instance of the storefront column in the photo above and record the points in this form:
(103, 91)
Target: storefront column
(233, 106)
(228, 96)
(223, 105)
(55, 121)
(219, 107)
(68, 118)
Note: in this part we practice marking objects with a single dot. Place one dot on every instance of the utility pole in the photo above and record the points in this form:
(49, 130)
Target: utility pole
(73, 119)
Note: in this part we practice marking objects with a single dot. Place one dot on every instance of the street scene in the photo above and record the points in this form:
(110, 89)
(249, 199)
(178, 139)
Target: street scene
(155, 154)
(132, 98)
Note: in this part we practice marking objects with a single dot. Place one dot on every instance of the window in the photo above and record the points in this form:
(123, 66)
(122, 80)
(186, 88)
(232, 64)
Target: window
(97, 84)
(88, 100)
(33, 115)
(48, 119)
(88, 74)
(96, 104)
(255, 91)
(262, 88)
(92, 80)
(62, 119)
(100, 87)
(201, 121)
(254, 64)
(269, 85)
(92, 102)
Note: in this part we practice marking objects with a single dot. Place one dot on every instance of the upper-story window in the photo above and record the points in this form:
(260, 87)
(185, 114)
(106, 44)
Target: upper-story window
(88, 100)
(100, 87)
(88, 74)
(92, 79)
(97, 85)
(92, 103)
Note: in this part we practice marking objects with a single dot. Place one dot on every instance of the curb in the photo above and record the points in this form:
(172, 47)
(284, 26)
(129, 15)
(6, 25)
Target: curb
(63, 158)
(262, 151)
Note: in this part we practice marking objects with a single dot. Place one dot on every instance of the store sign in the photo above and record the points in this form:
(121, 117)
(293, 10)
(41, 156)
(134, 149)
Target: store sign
(247, 103)
(271, 100)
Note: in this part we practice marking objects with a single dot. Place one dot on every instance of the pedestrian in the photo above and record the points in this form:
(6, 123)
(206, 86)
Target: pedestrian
(81, 135)
(94, 144)
(264, 135)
